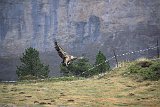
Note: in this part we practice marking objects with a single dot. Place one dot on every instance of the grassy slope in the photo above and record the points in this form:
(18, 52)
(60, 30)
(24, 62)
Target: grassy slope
(114, 89)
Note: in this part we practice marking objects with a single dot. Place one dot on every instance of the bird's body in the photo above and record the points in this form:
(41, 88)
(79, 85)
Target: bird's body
(67, 59)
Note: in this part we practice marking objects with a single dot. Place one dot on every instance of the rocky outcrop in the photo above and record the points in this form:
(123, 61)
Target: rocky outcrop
(82, 27)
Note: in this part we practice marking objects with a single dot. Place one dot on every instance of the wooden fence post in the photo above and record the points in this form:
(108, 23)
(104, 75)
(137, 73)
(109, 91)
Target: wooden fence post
(157, 48)
(115, 57)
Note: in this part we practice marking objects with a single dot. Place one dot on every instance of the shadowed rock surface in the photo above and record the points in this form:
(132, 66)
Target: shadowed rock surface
(83, 27)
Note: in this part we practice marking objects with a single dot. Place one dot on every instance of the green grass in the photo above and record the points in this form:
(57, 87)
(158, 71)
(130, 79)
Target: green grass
(55, 79)
(116, 89)
(145, 69)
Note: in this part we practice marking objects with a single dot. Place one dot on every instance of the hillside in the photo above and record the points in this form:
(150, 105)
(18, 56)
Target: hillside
(113, 89)
(82, 27)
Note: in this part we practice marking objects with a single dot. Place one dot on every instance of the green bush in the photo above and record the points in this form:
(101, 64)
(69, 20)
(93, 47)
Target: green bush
(31, 67)
(78, 68)
(28, 77)
(64, 78)
(104, 66)
(82, 67)
(146, 69)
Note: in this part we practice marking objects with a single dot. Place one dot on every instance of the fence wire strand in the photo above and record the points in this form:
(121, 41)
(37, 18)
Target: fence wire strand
(124, 54)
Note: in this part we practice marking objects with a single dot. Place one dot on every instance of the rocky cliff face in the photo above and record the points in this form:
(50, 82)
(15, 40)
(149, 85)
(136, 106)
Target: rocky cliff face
(81, 26)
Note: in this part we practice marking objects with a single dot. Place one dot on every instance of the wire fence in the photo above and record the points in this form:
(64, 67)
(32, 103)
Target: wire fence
(125, 54)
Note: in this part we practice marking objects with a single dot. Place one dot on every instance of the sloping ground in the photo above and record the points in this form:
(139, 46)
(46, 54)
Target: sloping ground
(113, 90)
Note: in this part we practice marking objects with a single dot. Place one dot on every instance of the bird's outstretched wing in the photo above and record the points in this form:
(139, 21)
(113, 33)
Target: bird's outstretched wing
(60, 51)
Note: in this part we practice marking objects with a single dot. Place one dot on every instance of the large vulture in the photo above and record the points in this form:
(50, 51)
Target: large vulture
(67, 59)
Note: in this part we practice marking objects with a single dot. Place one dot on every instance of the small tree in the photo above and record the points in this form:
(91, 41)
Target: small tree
(31, 65)
(78, 68)
(102, 65)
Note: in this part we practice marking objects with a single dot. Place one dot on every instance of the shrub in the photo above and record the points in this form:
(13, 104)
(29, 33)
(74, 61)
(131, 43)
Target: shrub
(146, 69)
(78, 67)
(31, 66)
(64, 78)
(104, 66)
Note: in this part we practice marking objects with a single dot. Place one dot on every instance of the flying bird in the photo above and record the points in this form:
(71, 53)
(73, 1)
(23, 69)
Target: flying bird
(67, 58)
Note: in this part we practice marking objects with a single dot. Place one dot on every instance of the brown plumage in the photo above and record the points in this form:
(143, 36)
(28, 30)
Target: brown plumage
(67, 59)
